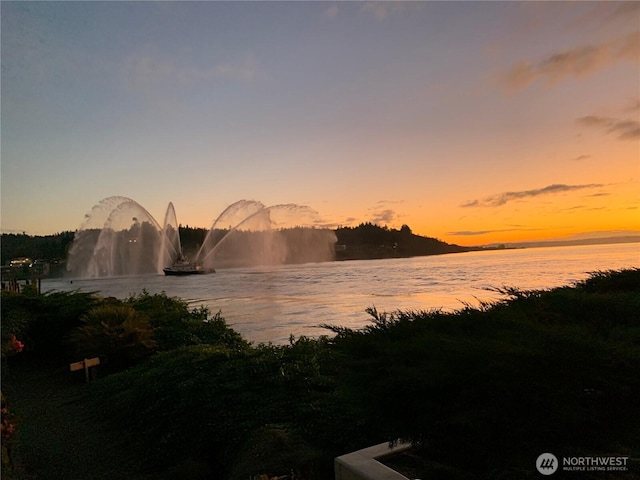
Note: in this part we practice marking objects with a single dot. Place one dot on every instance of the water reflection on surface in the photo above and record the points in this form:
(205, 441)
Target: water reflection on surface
(270, 304)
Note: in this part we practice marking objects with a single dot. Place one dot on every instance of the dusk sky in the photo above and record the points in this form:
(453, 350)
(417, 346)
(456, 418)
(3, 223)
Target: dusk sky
(471, 122)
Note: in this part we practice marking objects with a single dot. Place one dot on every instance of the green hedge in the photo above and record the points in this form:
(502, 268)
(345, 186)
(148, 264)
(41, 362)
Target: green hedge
(481, 392)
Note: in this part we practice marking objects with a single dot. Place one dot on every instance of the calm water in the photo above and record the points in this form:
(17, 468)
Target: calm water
(269, 304)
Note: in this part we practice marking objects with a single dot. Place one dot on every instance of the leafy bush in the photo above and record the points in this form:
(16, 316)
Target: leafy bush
(625, 280)
(176, 325)
(210, 402)
(44, 321)
(118, 332)
(489, 389)
(14, 325)
(485, 390)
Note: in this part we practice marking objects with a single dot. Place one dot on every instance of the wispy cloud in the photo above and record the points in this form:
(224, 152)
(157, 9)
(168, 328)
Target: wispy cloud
(472, 233)
(513, 228)
(581, 157)
(384, 216)
(634, 105)
(623, 128)
(148, 69)
(578, 62)
(582, 207)
(383, 10)
(602, 13)
(331, 12)
(378, 9)
(384, 212)
(503, 198)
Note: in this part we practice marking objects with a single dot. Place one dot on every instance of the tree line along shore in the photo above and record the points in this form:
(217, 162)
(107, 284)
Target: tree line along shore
(365, 241)
(177, 393)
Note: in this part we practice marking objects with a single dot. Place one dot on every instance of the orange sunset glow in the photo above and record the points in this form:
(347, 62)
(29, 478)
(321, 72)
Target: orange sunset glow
(471, 122)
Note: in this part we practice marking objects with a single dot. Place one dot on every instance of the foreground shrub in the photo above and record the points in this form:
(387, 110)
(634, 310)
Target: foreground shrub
(608, 281)
(482, 391)
(176, 325)
(210, 403)
(118, 332)
(42, 322)
(487, 390)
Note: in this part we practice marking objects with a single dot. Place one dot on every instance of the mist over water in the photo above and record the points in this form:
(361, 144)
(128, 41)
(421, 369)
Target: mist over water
(120, 238)
(259, 235)
(269, 303)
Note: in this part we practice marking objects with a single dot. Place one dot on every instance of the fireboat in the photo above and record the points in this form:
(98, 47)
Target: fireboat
(182, 266)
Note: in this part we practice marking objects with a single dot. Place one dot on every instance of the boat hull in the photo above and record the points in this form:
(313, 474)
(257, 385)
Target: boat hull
(181, 272)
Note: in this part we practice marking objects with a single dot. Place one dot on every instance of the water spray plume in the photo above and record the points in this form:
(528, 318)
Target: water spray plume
(119, 237)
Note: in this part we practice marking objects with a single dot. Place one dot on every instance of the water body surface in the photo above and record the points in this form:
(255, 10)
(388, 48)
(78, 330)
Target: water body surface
(270, 304)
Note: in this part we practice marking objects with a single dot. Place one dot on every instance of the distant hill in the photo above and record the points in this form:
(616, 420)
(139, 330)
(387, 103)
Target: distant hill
(366, 241)
(52, 248)
(369, 241)
(575, 242)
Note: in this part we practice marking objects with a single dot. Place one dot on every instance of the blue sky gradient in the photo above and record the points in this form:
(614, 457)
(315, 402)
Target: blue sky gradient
(413, 113)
